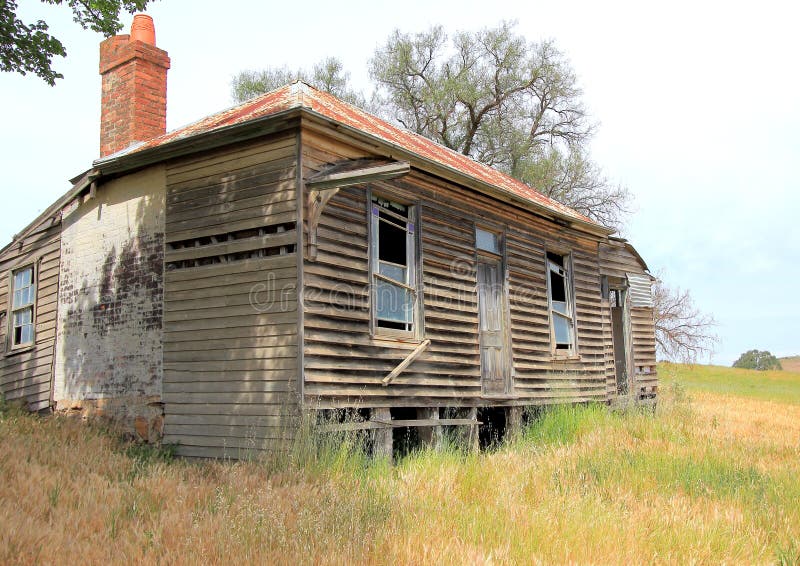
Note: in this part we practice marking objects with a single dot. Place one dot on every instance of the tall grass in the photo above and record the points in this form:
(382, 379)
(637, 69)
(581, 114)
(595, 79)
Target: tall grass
(701, 480)
(776, 385)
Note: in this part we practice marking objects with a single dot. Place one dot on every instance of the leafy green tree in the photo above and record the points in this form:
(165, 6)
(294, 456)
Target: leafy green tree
(504, 101)
(29, 48)
(327, 75)
(761, 360)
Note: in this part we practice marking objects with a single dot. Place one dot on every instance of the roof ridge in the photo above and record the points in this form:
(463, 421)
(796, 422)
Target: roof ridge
(299, 89)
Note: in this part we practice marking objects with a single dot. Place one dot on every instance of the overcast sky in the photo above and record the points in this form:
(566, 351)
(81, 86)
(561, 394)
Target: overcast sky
(698, 105)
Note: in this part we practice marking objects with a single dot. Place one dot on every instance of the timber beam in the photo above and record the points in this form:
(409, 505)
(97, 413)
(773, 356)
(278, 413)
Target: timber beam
(324, 186)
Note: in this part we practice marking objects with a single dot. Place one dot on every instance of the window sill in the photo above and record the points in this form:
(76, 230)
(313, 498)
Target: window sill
(20, 350)
(565, 358)
(393, 340)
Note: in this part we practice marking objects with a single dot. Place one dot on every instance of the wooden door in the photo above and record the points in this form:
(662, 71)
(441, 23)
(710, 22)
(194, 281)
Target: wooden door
(495, 365)
(620, 323)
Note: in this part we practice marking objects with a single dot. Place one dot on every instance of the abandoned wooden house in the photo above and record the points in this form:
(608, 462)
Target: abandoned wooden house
(295, 254)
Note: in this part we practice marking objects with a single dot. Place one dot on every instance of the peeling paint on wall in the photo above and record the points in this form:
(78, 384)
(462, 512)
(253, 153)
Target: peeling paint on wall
(110, 310)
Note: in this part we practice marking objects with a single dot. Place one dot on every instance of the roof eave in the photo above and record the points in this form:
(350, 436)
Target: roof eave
(279, 121)
(631, 249)
(455, 175)
(80, 183)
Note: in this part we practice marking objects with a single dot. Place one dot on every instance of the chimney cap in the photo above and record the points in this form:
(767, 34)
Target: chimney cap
(142, 29)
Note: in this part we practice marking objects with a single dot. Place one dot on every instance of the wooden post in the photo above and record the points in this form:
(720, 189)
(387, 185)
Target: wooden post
(383, 438)
(471, 434)
(430, 436)
(513, 422)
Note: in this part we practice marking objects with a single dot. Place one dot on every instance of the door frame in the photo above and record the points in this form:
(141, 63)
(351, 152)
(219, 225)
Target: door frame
(504, 309)
(623, 297)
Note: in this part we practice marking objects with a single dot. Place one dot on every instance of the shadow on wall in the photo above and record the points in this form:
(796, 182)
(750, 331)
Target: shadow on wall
(112, 301)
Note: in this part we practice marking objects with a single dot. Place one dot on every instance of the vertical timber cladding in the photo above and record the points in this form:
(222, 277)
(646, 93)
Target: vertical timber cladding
(617, 261)
(26, 376)
(230, 335)
(345, 365)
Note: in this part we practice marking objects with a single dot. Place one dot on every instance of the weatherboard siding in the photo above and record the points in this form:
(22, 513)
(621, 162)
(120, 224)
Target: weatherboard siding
(230, 327)
(344, 363)
(26, 376)
(617, 260)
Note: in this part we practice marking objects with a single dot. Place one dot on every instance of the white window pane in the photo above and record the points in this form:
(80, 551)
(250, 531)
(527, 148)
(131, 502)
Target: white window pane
(23, 317)
(22, 278)
(27, 334)
(560, 306)
(393, 303)
(487, 241)
(562, 329)
(396, 272)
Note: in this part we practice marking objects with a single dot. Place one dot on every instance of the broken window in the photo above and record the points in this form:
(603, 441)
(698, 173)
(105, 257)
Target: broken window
(562, 319)
(393, 257)
(23, 288)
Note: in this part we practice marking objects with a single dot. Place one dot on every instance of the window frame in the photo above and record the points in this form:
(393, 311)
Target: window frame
(11, 345)
(569, 290)
(413, 276)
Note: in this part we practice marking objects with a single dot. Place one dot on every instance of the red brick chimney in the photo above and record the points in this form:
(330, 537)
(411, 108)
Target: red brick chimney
(134, 100)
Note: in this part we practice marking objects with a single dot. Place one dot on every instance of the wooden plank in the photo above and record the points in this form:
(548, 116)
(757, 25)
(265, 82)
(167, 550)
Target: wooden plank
(260, 265)
(250, 388)
(266, 213)
(401, 367)
(236, 246)
(227, 420)
(248, 331)
(196, 375)
(230, 354)
(231, 365)
(251, 221)
(242, 321)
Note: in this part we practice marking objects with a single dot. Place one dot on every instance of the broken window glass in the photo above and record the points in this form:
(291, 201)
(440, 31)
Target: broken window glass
(560, 297)
(393, 260)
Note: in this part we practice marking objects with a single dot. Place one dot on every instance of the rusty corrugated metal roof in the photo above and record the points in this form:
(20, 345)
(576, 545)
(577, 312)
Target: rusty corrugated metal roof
(302, 95)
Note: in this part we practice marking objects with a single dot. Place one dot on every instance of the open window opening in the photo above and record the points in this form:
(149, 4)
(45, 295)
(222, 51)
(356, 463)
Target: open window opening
(23, 286)
(393, 258)
(562, 319)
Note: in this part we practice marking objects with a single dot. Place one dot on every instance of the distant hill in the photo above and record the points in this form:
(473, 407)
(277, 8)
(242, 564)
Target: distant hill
(791, 363)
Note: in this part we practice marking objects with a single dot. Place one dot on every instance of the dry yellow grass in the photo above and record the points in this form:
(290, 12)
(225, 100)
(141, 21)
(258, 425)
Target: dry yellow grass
(713, 480)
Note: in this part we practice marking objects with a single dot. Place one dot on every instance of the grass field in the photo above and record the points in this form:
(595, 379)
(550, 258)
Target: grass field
(712, 477)
(791, 363)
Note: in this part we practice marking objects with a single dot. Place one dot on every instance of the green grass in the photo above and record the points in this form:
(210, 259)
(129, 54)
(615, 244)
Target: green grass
(707, 478)
(779, 386)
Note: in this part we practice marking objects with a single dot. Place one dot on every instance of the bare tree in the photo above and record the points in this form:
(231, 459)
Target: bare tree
(504, 101)
(491, 94)
(683, 332)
